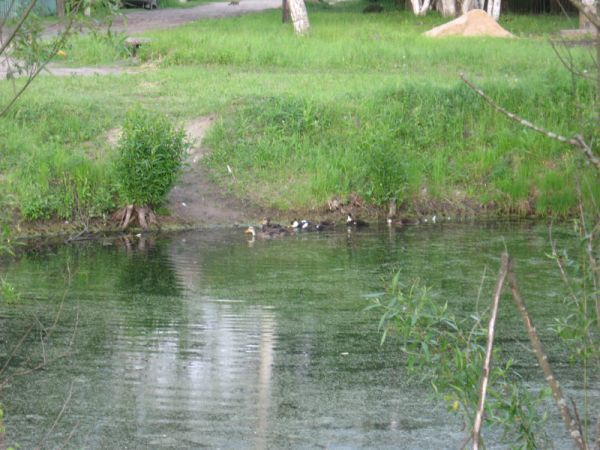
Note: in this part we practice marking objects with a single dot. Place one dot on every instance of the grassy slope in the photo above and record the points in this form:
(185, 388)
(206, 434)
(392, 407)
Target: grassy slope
(364, 104)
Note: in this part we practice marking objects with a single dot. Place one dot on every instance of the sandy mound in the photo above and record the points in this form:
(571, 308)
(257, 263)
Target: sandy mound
(475, 23)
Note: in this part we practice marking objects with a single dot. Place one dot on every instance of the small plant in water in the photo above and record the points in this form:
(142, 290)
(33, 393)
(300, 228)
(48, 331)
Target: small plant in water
(448, 352)
(8, 293)
(149, 160)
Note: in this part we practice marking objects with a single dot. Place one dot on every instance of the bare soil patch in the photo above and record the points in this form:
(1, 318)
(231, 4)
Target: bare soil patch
(198, 201)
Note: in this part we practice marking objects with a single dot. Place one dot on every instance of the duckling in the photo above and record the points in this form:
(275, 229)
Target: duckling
(401, 222)
(357, 223)
(309, 226)
(266, 225)
(234, 3)
(266, 234)
(325, 225)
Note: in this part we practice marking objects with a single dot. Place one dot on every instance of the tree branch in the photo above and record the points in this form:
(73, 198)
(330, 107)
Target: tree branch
(572, 426)
(575, 141)
(488, 352)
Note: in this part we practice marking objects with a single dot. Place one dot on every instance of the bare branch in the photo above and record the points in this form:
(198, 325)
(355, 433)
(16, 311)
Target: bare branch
(569, 65)
(488, 352)
(58, 417)
(575, 141)
(572, 426)
(559, 263)
(15, 350)
(58, 44)
(18, 26)
(33, 369)
(70, 436)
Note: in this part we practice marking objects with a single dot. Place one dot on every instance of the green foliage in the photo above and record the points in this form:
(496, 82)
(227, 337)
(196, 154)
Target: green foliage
(149, 157)
(94, 49)
(182, 3)
(64, 185)
(579, 329)
(8, 293)
(29, 48)
(6, 243)
(448, 351)
(397, 142)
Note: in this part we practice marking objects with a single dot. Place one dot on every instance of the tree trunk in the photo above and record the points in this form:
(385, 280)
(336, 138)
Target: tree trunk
(468, 5)
(285, 11)
(420, 9)
(493, 9)
(584, 22)
(416, 6)
(60, 8)
(448, 8)
(299, 16)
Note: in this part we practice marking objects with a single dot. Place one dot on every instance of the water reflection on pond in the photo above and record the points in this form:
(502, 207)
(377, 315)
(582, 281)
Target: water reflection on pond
(202, 340)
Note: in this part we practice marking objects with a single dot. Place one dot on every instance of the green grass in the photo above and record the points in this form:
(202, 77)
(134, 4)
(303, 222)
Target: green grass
(364, 104)
(184, 4)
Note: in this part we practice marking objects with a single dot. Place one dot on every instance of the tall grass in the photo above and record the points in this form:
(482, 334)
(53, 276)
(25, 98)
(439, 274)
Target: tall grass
(364, 104)
(347, 41)
(398, 144)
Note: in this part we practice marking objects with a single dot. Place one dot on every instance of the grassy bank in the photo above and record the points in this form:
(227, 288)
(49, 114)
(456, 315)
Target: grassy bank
(363, 105)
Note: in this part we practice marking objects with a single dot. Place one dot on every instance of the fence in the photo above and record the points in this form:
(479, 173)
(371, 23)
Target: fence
(11, 8)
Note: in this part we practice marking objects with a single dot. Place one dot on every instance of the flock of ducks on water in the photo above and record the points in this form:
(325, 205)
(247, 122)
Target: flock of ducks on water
(270, 230)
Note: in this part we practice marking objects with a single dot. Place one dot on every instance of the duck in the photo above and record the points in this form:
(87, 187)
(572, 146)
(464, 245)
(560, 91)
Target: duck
(308, 226)
(266, 234)
(325, 225)
(401, 222)
(266, 225)
(357, 223)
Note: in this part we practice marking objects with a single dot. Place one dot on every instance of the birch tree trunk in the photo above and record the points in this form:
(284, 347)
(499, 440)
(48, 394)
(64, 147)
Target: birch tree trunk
(420, 9)
(448, 8)
(468, 5)
(416, 6)
(584, 22)
(493, 9)
(299, 16)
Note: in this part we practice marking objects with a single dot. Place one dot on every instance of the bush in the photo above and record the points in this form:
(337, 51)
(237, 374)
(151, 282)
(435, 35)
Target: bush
(149, 157)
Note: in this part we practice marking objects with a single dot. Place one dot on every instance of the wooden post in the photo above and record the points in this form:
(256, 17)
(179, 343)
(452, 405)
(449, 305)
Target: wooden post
(285, 11)
(60, 8)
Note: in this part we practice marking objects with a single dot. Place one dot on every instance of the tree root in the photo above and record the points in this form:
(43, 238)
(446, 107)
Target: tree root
(132, 214)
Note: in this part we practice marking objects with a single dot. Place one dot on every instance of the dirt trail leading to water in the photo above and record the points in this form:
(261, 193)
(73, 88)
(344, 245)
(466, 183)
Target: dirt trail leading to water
(195, 199)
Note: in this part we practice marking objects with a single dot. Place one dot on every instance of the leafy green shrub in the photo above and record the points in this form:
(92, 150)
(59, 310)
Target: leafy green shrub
(149, 157)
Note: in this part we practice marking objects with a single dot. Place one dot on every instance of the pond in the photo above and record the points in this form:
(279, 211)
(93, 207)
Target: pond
(204, 339)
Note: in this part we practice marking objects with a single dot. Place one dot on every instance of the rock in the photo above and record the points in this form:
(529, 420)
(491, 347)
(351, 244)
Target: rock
(474, 23)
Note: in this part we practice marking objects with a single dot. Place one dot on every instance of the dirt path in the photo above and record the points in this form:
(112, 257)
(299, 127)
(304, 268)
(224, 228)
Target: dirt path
(138, 21)
(196, 200)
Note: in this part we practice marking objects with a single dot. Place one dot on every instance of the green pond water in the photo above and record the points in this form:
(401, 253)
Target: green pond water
(207, 340)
